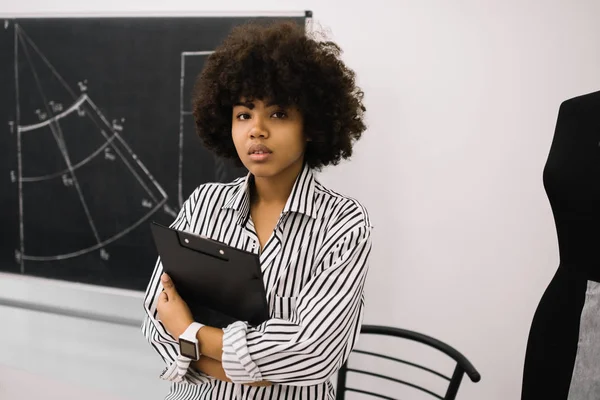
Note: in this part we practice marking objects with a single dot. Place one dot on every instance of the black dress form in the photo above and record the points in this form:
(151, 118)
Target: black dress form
(557, 346)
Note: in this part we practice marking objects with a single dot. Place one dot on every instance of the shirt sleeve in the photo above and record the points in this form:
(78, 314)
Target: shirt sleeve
(163, 343)
(321, 332)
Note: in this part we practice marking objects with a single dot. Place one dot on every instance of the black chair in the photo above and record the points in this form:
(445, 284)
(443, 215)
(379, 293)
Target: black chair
(462, 364)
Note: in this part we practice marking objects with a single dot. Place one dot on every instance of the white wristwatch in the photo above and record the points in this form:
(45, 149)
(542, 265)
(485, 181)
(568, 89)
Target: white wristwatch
(188, 343)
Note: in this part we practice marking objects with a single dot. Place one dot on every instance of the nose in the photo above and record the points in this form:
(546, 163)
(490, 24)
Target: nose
(258, 129)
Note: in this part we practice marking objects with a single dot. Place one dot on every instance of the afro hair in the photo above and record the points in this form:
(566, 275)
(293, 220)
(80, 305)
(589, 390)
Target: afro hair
(280, 63)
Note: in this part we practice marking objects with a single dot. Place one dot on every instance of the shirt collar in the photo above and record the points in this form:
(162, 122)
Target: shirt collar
(301, 199)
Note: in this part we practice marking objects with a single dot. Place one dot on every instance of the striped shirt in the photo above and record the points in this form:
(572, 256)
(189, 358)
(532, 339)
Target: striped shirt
(314, 268)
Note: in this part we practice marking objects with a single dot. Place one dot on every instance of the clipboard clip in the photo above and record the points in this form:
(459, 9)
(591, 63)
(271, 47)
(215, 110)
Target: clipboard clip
(202, 244)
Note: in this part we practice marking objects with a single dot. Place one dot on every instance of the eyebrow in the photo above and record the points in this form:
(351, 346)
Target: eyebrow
(250, 105)
(247, 104)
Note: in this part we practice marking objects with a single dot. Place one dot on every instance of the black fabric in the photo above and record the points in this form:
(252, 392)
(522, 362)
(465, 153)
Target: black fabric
(572, 183)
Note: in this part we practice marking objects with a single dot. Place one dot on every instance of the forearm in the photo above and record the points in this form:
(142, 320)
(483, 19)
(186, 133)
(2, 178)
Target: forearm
(215, 369)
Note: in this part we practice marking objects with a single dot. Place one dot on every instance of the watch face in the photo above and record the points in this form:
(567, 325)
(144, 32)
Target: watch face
(188, 349)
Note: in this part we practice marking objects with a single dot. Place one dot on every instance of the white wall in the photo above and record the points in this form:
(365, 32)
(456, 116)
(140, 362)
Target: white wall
(462, 100)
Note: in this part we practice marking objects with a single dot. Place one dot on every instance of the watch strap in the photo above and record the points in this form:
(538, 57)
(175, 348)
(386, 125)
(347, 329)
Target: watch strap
(191, 331)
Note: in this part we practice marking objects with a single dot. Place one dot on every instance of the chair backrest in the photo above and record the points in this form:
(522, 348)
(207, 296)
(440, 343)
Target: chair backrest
(462, 365)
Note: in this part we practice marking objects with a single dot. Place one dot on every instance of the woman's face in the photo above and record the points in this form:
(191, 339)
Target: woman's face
(269, 139)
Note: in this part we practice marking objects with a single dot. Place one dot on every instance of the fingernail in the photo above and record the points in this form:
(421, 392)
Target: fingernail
(165, 277)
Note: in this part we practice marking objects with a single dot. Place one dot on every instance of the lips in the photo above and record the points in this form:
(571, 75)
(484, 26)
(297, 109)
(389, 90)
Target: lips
(259, 149)
(259, 153)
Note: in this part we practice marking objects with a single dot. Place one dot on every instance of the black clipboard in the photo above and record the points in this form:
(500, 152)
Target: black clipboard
(220, 284)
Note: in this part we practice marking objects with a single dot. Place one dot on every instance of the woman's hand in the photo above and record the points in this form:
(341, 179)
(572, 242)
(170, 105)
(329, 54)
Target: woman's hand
(173, 312)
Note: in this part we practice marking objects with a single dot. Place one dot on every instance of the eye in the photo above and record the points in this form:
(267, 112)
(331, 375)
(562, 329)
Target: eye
(243, 116)
(279, 114)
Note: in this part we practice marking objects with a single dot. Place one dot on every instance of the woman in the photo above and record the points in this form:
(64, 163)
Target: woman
(282, 105)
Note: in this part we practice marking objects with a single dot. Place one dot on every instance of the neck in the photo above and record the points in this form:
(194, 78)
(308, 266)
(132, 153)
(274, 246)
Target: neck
(275, 190)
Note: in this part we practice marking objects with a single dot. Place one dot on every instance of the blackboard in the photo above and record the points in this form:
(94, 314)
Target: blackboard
(97, 140)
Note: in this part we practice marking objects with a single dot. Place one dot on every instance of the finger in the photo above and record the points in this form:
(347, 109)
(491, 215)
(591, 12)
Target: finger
(168, 285)
(163, 297)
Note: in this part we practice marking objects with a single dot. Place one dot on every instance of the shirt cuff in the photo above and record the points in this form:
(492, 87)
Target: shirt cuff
(236, 360)
(179, 371)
